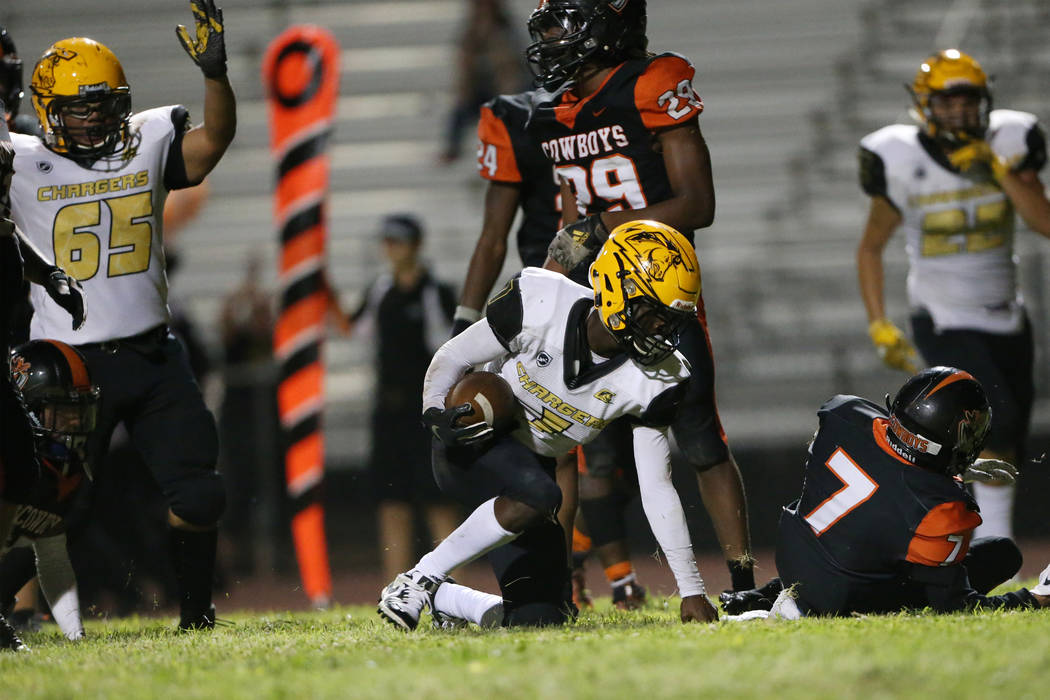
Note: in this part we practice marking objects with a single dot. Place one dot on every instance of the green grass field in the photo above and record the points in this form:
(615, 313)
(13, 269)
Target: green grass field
(349, 653)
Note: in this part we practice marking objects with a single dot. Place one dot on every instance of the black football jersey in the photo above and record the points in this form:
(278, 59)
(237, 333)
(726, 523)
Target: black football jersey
(605, 144)
(507, 154)
(42, 513)
(870, 511)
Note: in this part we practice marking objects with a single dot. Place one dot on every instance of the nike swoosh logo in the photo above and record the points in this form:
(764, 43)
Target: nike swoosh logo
(598, 112)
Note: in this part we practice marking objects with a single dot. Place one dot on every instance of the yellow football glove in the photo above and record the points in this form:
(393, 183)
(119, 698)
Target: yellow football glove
(206, 45)
(892, 345)
(979, 153)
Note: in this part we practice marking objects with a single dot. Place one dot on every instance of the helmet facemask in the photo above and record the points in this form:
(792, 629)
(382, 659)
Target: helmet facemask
(100, 137)
(651, 331)
(62, 423)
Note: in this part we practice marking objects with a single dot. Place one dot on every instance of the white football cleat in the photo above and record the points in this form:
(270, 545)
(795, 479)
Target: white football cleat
(785, 607)
(1043, 587)
(403, 600)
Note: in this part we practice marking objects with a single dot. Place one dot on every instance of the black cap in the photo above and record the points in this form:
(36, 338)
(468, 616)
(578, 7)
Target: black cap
(401, 227)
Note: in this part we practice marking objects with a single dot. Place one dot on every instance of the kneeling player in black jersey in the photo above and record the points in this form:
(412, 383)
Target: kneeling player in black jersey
(884, 523)
(577, 359)
(51, 379)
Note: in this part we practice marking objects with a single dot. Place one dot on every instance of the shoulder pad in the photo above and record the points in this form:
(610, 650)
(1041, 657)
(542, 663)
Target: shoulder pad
(891, 136)
(851, 409)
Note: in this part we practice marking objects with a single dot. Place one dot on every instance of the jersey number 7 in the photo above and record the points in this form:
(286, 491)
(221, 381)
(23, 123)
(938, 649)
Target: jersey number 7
(857, 487)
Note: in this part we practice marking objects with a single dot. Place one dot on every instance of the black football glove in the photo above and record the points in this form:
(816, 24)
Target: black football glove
(67, 293)
(578, 241)
(208, 47)
(443, 425)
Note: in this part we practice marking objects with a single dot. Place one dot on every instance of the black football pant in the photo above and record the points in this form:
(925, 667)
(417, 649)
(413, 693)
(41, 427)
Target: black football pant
(147, 384)
(1002, 363)
(532, 570)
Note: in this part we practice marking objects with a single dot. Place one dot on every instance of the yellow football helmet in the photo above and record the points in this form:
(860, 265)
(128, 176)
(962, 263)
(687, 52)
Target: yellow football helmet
(950, 72)
(646, 282)
(82, 81)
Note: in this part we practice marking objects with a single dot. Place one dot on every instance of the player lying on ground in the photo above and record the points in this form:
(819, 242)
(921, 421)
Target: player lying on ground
(884, 522)
(576, 360)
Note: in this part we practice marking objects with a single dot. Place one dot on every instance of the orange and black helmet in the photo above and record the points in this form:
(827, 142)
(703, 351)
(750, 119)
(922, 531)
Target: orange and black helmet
(939, 420)
(52, 380)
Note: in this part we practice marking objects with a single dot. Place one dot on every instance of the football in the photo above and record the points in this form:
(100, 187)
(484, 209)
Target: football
(491, 397)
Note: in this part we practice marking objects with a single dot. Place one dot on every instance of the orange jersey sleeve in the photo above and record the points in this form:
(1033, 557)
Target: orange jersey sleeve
(664, 93)
(496, 160)
(943, 536)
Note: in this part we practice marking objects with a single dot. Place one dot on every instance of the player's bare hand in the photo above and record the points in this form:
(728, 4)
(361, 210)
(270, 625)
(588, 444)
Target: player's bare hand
(697, 608)
(207, 45)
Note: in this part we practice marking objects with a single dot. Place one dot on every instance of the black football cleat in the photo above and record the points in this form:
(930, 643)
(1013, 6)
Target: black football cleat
(204, 621)
(9, 641)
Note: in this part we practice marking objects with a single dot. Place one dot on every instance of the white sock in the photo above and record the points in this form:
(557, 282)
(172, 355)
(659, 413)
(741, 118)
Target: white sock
(997, 509)
(470, 605)
(477, 535)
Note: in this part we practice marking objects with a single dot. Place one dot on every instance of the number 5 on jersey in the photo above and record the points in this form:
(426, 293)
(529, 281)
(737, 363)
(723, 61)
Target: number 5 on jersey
(78, 245)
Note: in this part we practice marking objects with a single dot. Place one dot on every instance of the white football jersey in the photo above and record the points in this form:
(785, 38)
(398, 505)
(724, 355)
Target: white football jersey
(568, 394)
(959, 229)
(102, 227)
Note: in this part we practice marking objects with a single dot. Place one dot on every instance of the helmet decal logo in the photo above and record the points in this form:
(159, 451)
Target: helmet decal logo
(19, 371)
(916, 442)
(659, 261)
(48, 63)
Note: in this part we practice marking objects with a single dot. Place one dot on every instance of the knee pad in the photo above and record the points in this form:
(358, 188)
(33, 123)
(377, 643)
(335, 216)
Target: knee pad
(604, 517)
(199, 498)
(537, 615)
(542, 494)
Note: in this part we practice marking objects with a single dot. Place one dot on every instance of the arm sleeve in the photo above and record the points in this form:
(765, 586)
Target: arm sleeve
(175, 177)
(496, 158)
(474, 346)
(664, 93)
(59, 584)
(663, 508)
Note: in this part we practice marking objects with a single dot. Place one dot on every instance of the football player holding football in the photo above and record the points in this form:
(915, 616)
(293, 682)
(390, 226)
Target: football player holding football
(620, 126)
(576, 359)
(952, 184)
(91, 191)
(52, 381)
(884, 523)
